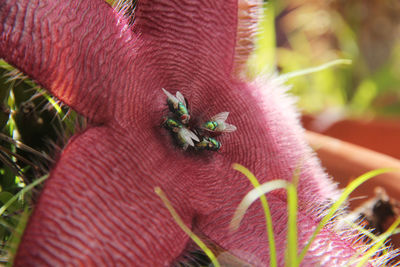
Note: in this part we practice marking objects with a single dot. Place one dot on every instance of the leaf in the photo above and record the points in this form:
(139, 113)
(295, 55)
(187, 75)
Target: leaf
(14, 206)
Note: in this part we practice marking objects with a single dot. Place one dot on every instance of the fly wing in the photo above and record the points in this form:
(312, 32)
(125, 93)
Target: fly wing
(188, 135)
(193, 136)
(229, 128)
(169, 95)
(185, 146)
(220, 116)
(180, 98)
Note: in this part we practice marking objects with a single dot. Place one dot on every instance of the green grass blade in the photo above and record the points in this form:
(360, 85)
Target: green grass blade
(370, 235)
(335, 206)
(57, 107)
(186, 229)
(362, 230)
(267, 212)
(70, 126)
(292, 244)
(259, 192)
(16, 237)
(21, 193)
(379, 243)
(251, 197)
(302, 72)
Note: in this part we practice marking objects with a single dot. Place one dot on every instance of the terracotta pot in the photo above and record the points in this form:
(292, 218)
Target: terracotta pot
(345, 161)
(378, 134)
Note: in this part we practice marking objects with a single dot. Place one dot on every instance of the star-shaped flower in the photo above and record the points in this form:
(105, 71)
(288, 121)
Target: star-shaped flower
(99, 206)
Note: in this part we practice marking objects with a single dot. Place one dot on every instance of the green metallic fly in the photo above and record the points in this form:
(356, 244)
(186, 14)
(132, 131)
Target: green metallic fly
(217, 124)
(177, 122)
(183, 135)
(177, 105)
(208, 143)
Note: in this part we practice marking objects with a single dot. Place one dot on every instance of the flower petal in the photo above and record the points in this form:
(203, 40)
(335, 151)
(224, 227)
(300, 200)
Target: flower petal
(99, 207)
(188, 37)
(76, 49)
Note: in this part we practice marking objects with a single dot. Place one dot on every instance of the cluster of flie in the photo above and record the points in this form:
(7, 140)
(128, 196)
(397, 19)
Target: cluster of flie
(198, 137)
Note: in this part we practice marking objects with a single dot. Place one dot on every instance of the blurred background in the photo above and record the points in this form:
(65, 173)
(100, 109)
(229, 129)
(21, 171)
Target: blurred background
(357, 102)
(311, 33)
(360, 102)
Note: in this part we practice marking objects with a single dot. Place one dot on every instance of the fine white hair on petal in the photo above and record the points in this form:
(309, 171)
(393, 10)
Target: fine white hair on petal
(336, 243)
(249, 14)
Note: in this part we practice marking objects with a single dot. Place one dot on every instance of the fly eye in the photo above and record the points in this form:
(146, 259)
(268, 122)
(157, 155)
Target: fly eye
(185, 118)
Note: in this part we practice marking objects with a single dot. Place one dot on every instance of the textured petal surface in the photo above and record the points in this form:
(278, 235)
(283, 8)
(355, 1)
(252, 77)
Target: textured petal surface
(105, 206)
(186, 46)
(74, 48)
(110, 200)
(99, 205)
(209, 26)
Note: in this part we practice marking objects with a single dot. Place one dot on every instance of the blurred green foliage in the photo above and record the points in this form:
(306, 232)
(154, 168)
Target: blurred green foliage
(32, 128)
(310, 33)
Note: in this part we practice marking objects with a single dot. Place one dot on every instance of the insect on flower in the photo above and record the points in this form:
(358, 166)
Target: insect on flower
(172, 124)
(177, 105)
(208, 143)
(217, 124)
(183, 135)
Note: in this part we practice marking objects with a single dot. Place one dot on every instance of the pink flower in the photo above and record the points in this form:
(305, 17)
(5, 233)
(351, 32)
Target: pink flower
(99, 206)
